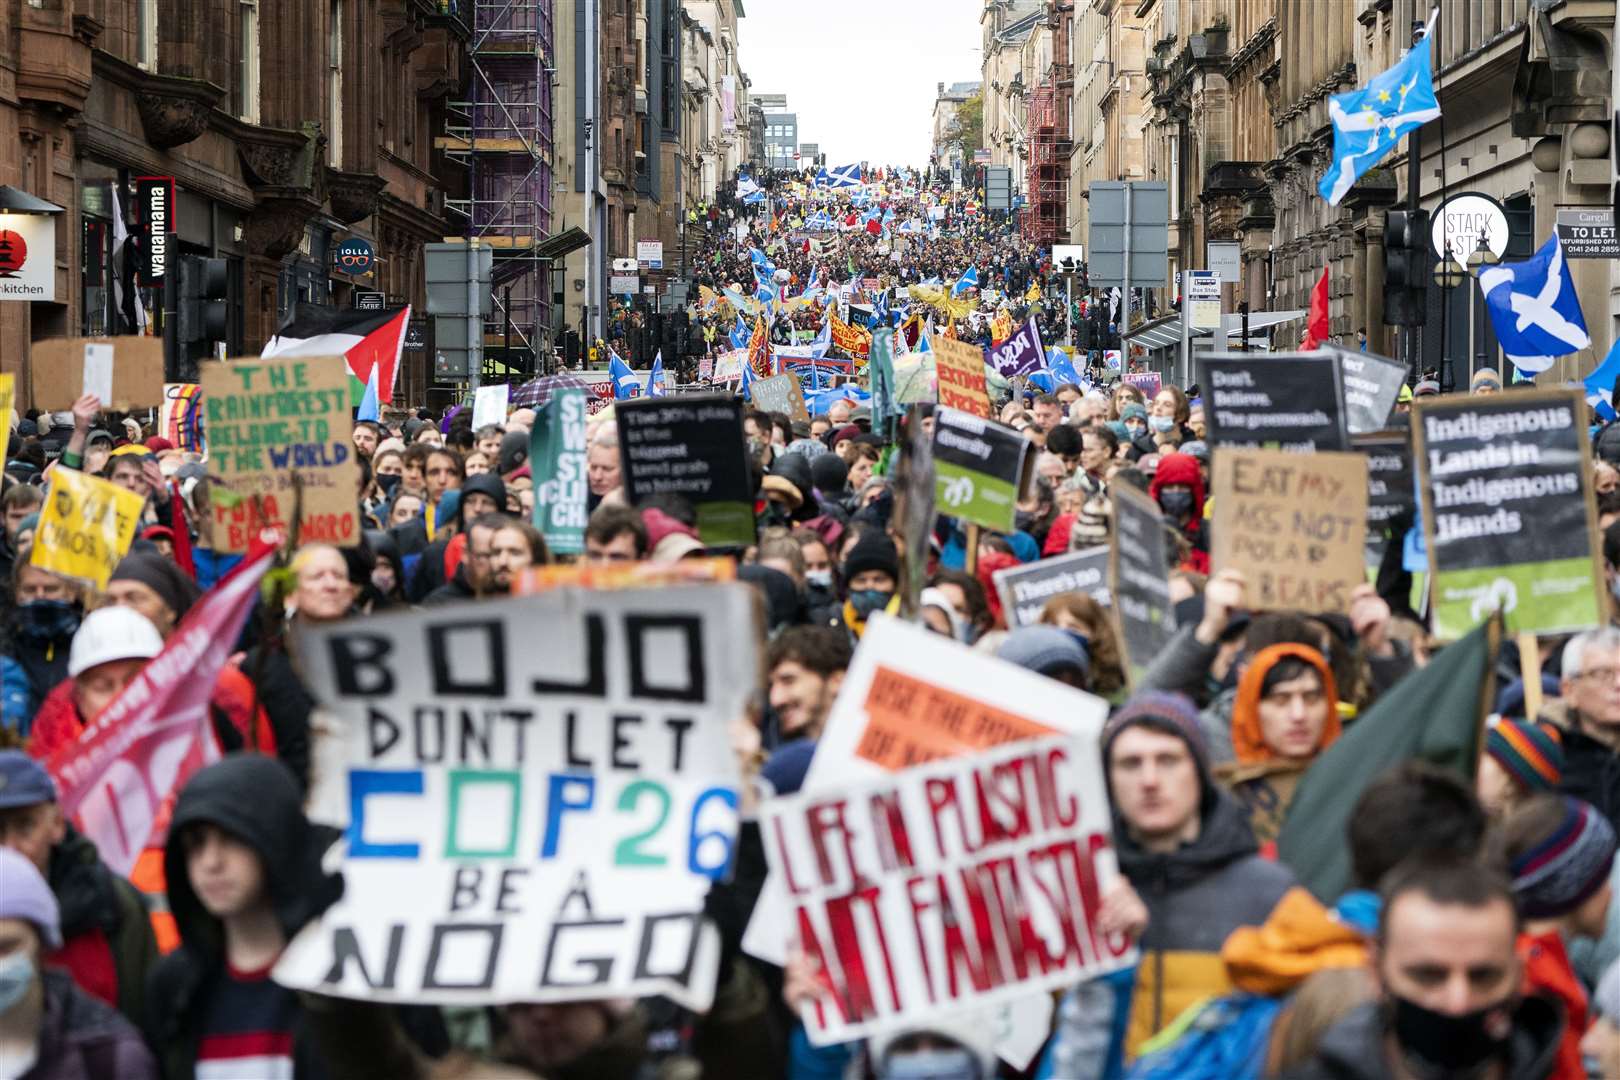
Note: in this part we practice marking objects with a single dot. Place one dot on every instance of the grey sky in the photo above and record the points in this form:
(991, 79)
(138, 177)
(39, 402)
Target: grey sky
(861, 74)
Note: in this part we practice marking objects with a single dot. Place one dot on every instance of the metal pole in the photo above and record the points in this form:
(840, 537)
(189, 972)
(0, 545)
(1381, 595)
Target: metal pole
(1414, 184)
(1186, 328)
(475, 319)
(1068, 312)
(1125, 290)
(1243, 310)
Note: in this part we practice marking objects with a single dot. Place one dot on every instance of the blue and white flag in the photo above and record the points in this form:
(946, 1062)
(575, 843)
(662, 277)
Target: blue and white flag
(625, 383)
(740, 334)
(748, 190)
(746, 386)
(1061, 364)
(1368, 122)
(844, 176)
(369, 407)
(1534, 308)
(968, 280)
(656, 386)
(1600, 384)
(821, 177)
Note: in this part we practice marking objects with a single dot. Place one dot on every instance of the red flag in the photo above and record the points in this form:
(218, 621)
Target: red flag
(118, 777)
(1317, 325)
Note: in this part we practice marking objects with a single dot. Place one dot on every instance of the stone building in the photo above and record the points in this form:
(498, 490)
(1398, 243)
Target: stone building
(270, 171)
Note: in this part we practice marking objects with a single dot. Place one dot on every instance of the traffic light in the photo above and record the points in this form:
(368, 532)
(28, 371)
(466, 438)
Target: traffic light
(1406, 267)
(203, 313)
(675, 334)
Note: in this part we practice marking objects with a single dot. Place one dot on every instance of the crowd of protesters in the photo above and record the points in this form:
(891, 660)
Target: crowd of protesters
(1478, 939)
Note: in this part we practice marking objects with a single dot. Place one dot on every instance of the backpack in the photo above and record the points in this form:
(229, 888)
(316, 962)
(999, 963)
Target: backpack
(1225, 1038)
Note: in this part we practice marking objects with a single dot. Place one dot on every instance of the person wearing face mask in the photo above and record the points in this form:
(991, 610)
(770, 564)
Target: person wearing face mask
(49, 1028)
(47, 612)
(1135, 418)
(872, 576)
(958, 1051)
(1178, 488)
(1450, 1001)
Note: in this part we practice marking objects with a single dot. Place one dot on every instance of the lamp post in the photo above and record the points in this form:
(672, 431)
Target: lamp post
(1478, 259)
(1448, 274)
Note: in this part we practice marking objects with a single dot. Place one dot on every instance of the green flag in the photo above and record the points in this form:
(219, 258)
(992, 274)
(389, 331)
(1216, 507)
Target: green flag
(557, 462)
(1435, 715)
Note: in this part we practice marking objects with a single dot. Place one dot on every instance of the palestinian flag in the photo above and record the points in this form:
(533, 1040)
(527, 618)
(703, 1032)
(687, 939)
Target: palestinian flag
(366, 339)
(1436, 714)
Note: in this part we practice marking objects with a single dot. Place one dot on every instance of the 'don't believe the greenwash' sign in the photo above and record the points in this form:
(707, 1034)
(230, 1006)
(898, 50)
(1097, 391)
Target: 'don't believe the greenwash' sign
(980, 469)
(1508, 512)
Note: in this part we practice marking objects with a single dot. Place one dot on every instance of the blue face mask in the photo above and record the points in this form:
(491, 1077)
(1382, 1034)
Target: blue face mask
(1161, 423)
(956, 1064)
(16, 976)
(866, 601)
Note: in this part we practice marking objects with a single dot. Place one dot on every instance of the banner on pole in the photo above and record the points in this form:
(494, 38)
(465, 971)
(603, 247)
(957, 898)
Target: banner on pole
(1277, 401)
(960, 370)
(1138, 579)
(981, 468)
(557, 461)
(537, 793)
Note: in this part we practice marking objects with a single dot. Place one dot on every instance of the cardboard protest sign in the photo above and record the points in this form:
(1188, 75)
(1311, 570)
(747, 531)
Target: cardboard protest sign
(1294, 524)
(981, 468)
(489, 405)
(1278, 401)
(1508, 513)
(117, 776)
(1138, 579)
(1390, 491)
(557, 462)
(960, 370)
(1372, 383)
(1021, 354)
(692, 447)
(59, 365)
(537, 793)
(780, 394)
(1149, 382)
(1026, 589)
(180, 420)
(275, 427)
(85, 526)
(963, 882)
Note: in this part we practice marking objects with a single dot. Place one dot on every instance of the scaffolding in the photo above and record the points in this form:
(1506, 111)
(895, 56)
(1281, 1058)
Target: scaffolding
(502, 133)
(1047, 178)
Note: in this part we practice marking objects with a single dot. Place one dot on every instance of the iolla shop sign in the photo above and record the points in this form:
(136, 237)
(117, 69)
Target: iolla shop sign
(27, 246)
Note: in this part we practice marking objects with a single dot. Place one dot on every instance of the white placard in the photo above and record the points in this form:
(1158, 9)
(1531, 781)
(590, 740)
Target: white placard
(537, 793)
(489, 406)
(98, 371)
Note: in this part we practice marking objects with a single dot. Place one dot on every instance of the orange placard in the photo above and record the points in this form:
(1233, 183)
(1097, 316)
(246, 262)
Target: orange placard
(961, 376)
(641, 575)
(910, 721)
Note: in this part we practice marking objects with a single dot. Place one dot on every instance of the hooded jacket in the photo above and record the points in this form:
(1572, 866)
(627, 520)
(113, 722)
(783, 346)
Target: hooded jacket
(1353, 1049)
(432, 572)
(1262, 781)
(1183, 469)
(255, 799)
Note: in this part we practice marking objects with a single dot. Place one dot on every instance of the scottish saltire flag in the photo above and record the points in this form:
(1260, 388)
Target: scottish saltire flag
(625, 384)
(1600, 384)
(968, 280)
(860, 199)
(821, 177)
(740, 334)
(748, 190)
(1534, 308)
(823, 339)
(745, 388)
(761, 261)
(844, 176)
(656, 386)
(1368, 122)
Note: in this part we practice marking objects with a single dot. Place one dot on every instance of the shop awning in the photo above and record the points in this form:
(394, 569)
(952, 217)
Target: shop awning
(1165, 332)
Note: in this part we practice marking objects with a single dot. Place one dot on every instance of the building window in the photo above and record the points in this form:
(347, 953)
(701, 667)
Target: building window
(146, 34)
(247, 72)
(334, 86)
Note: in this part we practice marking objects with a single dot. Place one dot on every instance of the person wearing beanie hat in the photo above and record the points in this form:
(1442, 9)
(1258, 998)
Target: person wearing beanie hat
(1520, 759)
(1047, 650)
(109, 949)
(1189, 853)
(872, 578)
(154, 586)
(830, 474)
(49, 1028)
(1286, 713)
(1559, 853)
(1485, 381)
(1426, 388)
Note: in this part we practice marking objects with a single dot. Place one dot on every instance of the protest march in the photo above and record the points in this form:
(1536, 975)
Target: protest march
(939, 660)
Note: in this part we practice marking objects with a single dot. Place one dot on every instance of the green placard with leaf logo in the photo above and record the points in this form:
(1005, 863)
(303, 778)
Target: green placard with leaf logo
(981, 468)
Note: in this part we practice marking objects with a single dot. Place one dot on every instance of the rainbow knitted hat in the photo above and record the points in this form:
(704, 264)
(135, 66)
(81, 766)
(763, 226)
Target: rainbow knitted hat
(1532, 753)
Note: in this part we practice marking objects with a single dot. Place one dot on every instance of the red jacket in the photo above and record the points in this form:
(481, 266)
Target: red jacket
(58, 723)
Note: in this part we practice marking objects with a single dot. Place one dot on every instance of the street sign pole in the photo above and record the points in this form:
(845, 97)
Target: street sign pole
(1186, 329)
(1125, 291)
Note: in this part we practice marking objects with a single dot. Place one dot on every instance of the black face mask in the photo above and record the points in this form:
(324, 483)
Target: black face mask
(388, 482)
(1177, 504)
(1436, 1045)
(1024, 520)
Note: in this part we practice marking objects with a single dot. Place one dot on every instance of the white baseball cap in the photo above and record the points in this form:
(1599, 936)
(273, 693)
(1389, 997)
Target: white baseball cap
(113, 633)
